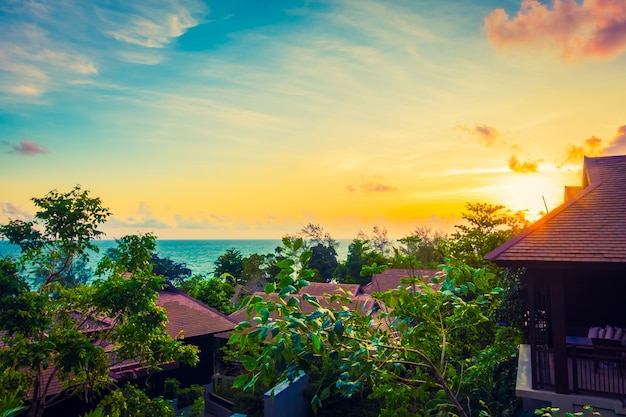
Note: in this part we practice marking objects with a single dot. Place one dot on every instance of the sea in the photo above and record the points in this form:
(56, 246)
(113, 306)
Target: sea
(198, 255)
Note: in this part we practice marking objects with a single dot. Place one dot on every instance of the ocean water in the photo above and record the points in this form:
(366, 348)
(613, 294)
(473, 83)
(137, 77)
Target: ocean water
(198, 255)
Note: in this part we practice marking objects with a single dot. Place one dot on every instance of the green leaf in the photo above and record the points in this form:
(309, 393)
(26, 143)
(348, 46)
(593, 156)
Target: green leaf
(270, 288)
(325, 394)
(240, 381)
(249, 363)
(316, 403)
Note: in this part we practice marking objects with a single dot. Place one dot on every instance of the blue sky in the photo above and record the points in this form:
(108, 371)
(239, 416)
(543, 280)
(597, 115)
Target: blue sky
(244, 119)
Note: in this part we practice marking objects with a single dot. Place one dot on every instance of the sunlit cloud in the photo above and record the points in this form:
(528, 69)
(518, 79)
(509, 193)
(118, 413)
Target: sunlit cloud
(595, 146)
(375, 187)
(523, 167)
(576, 153)
(153, 24)
(593, 28)
(487, 135)
(26, 147)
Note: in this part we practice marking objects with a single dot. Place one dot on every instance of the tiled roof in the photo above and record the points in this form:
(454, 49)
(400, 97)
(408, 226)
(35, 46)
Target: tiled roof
(589, 228)
(318, 289)
(190, 316)
(390, 278)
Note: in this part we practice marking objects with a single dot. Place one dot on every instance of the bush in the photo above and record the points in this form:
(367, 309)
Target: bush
(188, 396)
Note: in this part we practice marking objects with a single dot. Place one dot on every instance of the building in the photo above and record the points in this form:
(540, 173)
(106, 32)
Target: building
(575, 261)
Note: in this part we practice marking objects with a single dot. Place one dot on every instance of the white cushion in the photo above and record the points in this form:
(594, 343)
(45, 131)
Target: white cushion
(608, 332)
(593, 332)
(601, 333)
(618, 333)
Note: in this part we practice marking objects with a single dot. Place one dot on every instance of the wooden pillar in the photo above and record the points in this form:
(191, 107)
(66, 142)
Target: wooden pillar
(530, 281)
(557, 304)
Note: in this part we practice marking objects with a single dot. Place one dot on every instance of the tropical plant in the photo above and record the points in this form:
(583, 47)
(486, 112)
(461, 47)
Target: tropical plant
(427, 341)
(72, 335)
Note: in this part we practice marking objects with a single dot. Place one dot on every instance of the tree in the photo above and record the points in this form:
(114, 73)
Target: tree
(55, 332)
(487, 227)
(323, 261)
(428, 342)
(174, 272)
(230, 265)
(212, 292)
(421, 249)
(61, 232)
(323, 251)
(359, 255)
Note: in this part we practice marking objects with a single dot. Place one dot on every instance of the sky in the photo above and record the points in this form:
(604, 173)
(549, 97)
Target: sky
(246, 119)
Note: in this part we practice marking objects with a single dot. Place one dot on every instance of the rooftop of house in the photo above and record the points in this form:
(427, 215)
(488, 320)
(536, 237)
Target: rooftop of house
(190, 316)
(391, 279)
(589, 228)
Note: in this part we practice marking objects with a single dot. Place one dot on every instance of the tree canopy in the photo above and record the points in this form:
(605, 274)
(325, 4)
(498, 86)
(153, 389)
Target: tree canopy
(75, 334)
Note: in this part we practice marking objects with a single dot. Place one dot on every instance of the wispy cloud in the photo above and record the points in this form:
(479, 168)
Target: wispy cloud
(26, 147)
(152, 24)
(370, 184)
(142, 218)
(47, 46)
(523, 167)
(593, 28)
(13, 212)
(485, 134)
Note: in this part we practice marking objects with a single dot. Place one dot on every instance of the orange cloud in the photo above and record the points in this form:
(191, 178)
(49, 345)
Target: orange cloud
(591, 28)
(618, 144)
(575, 154)
(523, 167)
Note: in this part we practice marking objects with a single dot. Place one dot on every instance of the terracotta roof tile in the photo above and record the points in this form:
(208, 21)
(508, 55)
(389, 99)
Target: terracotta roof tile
(190, 316)
(390, 279)
(589, 228)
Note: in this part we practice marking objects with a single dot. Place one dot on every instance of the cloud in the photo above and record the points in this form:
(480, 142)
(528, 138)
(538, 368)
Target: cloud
(376, 187)
(593, 28)
(153, 25)
(143, 218)
(575, 153)
(487, 135)
(26, 147)
(618, 144)
(523, 167)
(594, 146)
(11, 211)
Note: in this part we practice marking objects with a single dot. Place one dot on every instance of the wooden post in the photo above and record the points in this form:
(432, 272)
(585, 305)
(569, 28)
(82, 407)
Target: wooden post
(557, 304)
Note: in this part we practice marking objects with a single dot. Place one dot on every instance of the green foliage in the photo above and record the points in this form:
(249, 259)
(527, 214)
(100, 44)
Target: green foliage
(130, 401)
(170, 388)
(425, 340)
(62, 231)
(556, 412)
(487, 227)
(188, 396)
(420, 250)
(211, 291)
(191, 396)
(174, 272)
(230, 265)
(11, 404)
(59, 332)
(359, 255)
(323, 261)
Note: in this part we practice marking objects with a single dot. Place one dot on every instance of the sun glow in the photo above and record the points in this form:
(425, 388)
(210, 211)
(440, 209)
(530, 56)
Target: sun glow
(535, 194)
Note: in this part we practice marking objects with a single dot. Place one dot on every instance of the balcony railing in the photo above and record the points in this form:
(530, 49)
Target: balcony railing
(592, 369)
